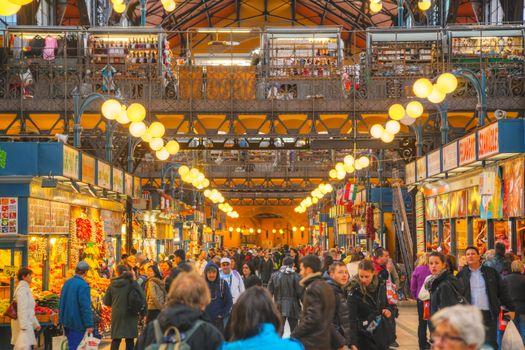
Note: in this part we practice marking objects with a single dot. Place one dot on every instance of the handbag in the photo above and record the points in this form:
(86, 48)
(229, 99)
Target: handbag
(11, 311)
(426, 310)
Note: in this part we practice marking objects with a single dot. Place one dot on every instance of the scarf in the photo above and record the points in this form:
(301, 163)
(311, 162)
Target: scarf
(432, 278)
(369, 290)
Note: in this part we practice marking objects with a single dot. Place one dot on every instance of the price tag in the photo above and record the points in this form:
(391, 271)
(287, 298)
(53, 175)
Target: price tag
(10, 271)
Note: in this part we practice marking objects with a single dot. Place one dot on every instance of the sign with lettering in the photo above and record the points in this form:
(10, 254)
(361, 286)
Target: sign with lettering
(88, 169)
(104, 175)
(10, 271)
(118, 180)
(9, 213)
(421, 168)
(434, 163)
(410, 173)
(488, 141)
(450, 156)
(467, 149)
(71, 161)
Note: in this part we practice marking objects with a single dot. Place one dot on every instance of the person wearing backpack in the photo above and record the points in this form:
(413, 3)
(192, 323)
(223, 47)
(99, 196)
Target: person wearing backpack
(184, 313)
(155, 292)
(124, 322)
(221, 299)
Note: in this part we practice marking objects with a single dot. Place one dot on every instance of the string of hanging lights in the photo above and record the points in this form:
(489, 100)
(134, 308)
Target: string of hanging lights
(348, 166)
(375, 6)
(314, 197)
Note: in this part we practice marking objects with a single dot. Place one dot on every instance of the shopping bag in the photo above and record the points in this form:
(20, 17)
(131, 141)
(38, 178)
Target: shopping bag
(391, 293)
(426, 310)
(59, 343)
(512, 338)
(89, 342)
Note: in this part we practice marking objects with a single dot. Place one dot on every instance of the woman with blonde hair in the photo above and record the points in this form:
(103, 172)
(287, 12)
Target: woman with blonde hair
(187, 298)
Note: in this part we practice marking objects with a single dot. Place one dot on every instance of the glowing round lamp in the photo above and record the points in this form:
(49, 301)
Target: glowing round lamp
(207, 193)
(119, 8)
(122, 118)
(315, 200)
(332, 173)
(341, 174)
(349, 168)
(20, 2)
(375, 1)
(172, 146)
(183, 170)
(422, 88)
(396, 111)
(407, 120)
(162, 154)
(110, 108)
(156, 143)
(328, 188)
(147, 136)
(194, 172)
(186, 178)
(447, 82)
(349, 160)
(424, 5)
(114, 2)
(137, 129)
(8, 8)
(377, 131)
(364, 161)
(387, 137)
(206, 183)
(136, 112)
(436, 96)
(358, 166)
(414, 109)
(339, 167)
(169, 6)
(157, 129)
(392, 126)
(375, 7)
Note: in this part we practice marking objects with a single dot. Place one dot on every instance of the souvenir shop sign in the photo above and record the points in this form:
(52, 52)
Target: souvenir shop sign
(421, 168)
(118, 180)
(434, 163)
(504, 137)
(104, 175)
(467, 149)
(513, 188)
(71, 163)
(410, 173)
(88, 169)
(9, 212)
(450, 156)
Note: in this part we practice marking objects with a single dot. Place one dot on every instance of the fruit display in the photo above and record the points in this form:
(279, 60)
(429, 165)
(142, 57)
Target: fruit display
(4, 304)
(48, 300)
(42, 310)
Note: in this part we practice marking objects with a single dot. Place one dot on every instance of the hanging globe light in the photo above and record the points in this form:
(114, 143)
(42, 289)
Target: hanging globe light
(424, 5)
(407, 120)
(194, 172)
(341, 174)
(20, 2)
(392, 126)
(364, 161)
(122, 118)
(447, 82)
(436, 96)
(375, 7)
(349, 160)
(136, 112)
(339, 167)
(8, 8)
(396, 111)
(328, 188)
(147, 136)
(422, 88)
(377, 131)
(358, 166)
(114, 2)
(110, 108)
(375, 1)
(206, 183)
(119, 8)
(173, 147)
(162, 154)
(414, 109)
(206, 193)
(156, 143)
(333, 174)
(183, 170)
(137, 129)
(387, 137)
(169, 6)
(157, 129)
(349, 168)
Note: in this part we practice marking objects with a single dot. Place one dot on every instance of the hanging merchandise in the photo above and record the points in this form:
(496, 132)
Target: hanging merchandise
(370, 229)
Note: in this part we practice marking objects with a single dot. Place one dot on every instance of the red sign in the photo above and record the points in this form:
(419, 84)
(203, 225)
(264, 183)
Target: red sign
(488, 141)
(467, 149)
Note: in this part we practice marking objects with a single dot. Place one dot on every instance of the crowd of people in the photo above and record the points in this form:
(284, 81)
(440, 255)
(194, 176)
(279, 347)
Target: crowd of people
(243, 298)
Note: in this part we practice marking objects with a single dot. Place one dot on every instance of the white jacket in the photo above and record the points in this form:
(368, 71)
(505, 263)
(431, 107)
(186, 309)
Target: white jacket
(23, 328)
(235, 282)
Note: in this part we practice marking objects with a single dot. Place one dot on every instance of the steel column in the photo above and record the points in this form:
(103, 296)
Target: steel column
(470, 231)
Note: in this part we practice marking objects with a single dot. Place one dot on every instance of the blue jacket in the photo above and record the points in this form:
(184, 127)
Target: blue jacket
(75, 305)
(266, 339)
(221, 298)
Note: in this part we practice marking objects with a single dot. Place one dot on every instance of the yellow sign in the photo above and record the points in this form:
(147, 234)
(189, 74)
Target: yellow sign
(10, 271)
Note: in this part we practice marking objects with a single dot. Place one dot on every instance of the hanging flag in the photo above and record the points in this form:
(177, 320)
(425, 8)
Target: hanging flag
(347, 193)
(339, 198)
(354, 192)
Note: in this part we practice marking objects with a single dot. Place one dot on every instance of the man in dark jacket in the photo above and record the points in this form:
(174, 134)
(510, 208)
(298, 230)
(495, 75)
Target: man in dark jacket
(179, 266)
(498, 261)
(287, 293)
(338, 280)
(485, 289)
(221, 299)
(266, 268)
(380, 260)
(315, 329)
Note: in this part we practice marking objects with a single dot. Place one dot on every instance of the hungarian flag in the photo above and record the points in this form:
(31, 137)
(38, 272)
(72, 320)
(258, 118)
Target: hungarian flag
(339, 198)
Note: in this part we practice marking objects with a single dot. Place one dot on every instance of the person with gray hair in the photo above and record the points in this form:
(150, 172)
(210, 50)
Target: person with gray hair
(459, 327)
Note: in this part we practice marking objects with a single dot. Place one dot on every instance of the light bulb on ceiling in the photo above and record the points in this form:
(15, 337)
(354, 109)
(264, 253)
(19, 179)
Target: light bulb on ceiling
(422, 88)
(396, 111)
(392, 126)
(137, 129)
(377, 131)
(414, 109)
(447, 82)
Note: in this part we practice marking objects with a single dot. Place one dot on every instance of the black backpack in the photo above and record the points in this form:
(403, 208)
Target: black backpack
(136, 300)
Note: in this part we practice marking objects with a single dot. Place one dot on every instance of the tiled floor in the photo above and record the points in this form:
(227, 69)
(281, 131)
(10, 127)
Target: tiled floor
(406, 328)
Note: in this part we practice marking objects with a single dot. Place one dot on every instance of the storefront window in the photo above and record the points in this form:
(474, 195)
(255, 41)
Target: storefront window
(57, 263)
(37, 256)
(480, 235)
(461, 236)
(10, 262)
